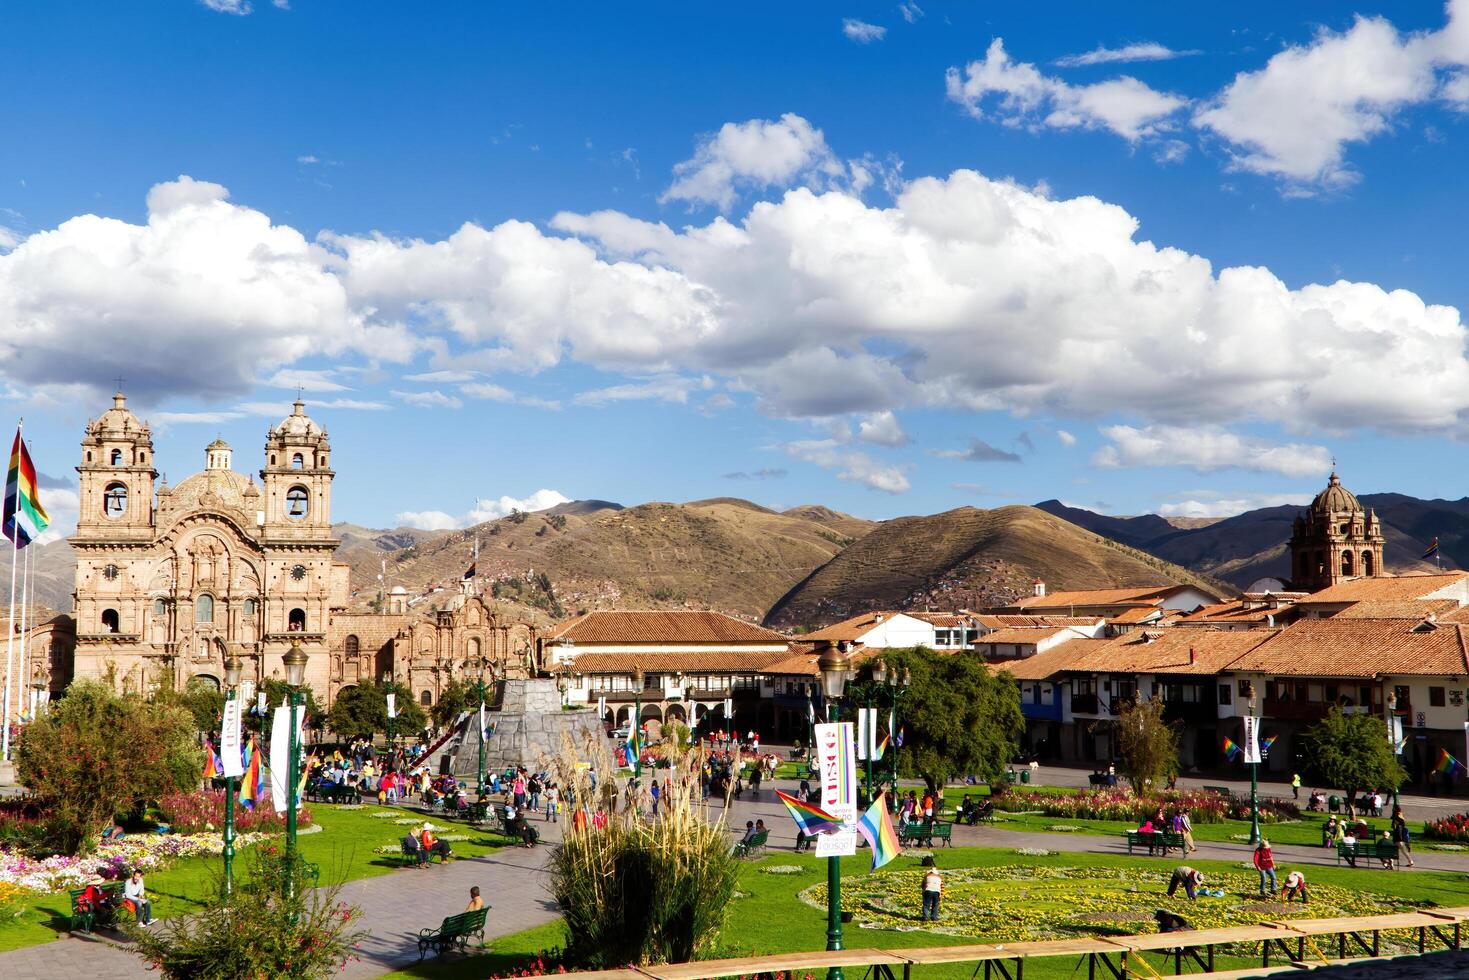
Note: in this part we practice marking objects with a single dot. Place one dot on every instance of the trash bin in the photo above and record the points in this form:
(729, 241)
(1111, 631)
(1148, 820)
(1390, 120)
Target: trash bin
(1025, 775)
(1333, 803)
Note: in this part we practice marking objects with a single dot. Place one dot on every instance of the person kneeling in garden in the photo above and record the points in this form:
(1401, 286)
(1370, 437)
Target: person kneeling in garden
(1295, 884)
(1190, 879)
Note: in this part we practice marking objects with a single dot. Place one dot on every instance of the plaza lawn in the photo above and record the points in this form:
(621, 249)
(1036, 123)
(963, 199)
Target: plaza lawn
(770, 917)
(344, 849)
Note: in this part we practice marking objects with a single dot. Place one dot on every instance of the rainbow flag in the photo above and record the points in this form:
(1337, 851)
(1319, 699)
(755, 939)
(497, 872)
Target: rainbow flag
(899, 739)
(877, 826)
(251, 786)
(882, 748)
(1266, 742)
(634, 744)
(211, 763)
(1446, 762)
(811, 819)
(25, 518)
(1231, 750)
(305, 772)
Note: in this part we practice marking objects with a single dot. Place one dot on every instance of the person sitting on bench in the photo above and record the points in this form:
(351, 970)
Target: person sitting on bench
(432, 845)
(413, 849)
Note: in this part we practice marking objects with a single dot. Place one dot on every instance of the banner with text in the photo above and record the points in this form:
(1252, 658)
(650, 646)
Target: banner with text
(836, 760)
(1252, 739)
(229, 741)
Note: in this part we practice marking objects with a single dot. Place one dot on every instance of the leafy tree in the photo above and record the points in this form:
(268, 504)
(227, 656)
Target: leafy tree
(276, 694)
(97, 755)
(1147, 745)
(959, 716)
(456, 698)
(1351, 752)
(203, 702)
(362, 711)
(274, 924)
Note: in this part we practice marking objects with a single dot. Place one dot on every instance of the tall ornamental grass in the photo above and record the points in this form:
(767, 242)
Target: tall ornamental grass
(641, 890)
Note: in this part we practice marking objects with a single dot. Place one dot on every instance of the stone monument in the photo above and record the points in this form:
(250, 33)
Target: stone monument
(528, 725)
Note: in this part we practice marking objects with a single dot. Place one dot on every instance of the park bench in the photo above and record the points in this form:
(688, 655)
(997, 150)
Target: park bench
(754, 845)
(454, 933)
(1159, 841)
(1223, 791)
(1370, 850)
(106, 916)
(924, 833)
(943, 832)
(329, 792)
(502, 826)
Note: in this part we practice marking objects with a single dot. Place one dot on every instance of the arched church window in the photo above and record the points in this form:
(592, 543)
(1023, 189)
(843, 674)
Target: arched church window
(472, 650)
(1346, 563)
(296, 621)
(117, 457)
(204, 609)
(160, 608)
(1367, 563)
(109, 621)
(426, 698)
(354, 647)
(297, 503)
(115, 500)
(298, 462)
(249, 608)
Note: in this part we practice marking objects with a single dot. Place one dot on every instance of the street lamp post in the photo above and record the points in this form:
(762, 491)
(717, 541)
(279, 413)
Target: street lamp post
(388, 684)
(879, 679)
(1254, 770)
(295, 663)
(835, 667)
(1392, 712)
(232, 680)
(637, 723)
(899, 687)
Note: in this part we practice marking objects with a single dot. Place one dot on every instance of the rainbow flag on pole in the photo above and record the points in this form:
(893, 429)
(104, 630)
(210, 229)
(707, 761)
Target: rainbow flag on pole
(1231, 750)
(251, 786)
(811, 819)
(877, 826)
(211, 761)
(25, 518)
(1447, 763)
(634, 744)
(882, 749)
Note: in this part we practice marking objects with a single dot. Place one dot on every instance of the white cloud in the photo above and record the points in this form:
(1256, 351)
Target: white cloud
(237, 7)
(484, 509)
(1207, 448)
(1219, 505)
(670, 389)
(165, 419)
(202, 300)
(1020, 95)
(754, 155)
(305, 380)
(428, 399)
(487, 392)
(9, 237)
(1067, 439)
(63, 507)
(1171, 151)
(861, 31)
(1141, 51)
(910, 11)
(882, 429)
(308, 159)
(279, 410)
(441, 377)
(850, 465)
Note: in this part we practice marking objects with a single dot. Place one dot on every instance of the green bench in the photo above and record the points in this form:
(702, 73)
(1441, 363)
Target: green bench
(454, 933)
(1223, 791)
(106, 916)
(754, 845)
(1157, 841)
(332, 793)
(1371, 850)
(525, 833)
(925, 833)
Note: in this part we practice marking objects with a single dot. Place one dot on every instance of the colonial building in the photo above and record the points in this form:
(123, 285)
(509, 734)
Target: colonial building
(1335, 539)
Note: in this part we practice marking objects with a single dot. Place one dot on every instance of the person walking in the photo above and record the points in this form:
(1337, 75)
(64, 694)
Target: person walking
(553, 802)
(1402, 837)
(134, 892)
(1186, 877)
(1295, 786)
(1265, 864)
(933, 890)
(1182, 824)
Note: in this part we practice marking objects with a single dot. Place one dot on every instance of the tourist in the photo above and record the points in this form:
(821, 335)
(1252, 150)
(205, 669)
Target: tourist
(1402, 837)
(413, 848)
(1295, 884)
(1348, 843)
(933, 890)
(475, 902)
(1295, 786)
(134, 892)
(1328, 831)
(656, 793)
(1265, 864)
(1183, 824)
(533, 787)
(749, 832)
(518, 789)
(1150, 833)
(1386, 849)
(1376, 803)
(1190, 879)
(553, 802)
(432, 845)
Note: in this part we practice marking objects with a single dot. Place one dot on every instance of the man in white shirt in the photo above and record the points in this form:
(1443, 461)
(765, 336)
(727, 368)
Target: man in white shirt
(933, 888)
(133, 891)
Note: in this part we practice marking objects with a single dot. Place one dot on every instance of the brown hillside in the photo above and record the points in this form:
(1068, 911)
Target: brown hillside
(722, 554)
(967, 558)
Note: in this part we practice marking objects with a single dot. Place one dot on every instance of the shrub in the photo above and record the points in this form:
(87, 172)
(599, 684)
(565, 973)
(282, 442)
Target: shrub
(203, 810)
(1450, 828)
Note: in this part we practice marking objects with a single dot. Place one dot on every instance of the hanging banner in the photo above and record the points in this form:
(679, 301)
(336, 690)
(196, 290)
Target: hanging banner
(1252, 740)
(280, 749)
(392, 704)
(229, 741)
(837, 767)
(1395, 733)
(862, 740)
(260, 704)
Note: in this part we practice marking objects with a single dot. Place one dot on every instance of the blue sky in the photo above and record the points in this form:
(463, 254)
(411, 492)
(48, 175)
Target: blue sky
(890, 258)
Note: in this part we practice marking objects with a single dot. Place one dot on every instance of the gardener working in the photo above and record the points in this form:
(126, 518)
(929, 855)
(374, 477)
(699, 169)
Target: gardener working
(1188, 878)
(1265, 864)
(933, 888)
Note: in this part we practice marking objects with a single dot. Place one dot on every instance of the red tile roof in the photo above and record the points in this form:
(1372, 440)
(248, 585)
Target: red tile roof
(632, 626)
(1049, 663)
(1171, 651)
(1026, 634)
(1386, 589)
(1358, 648)
(713, 662)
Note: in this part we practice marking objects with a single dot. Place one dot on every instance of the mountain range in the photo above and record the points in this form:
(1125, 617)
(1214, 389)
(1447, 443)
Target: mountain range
(810, 565)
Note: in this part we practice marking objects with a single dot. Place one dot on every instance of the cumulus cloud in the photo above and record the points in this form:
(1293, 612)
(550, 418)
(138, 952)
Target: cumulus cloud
(485, 391)
(669, 389)
(1067, 439)
(485, 509)
(882, 429)
(849, 464)
(202, 300)
(1141, 51)
(978, 451)
(1209, 504)
(1018, 94)
(305, 380)
(754, 155)
(428, 399)
(237, 7)
(1206, 449)
(861, 31)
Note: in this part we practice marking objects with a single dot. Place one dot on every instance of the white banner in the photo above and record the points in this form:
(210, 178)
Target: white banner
(602, 707)
(280, 759)
(837, 766)
(1252, 739)
(1395, 732)
(229, 740)
(392, 704)
(260, 704)
(863, 742)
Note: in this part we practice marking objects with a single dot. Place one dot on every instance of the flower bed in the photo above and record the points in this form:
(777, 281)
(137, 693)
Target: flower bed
(1451, 828)
(203, 811)
(114, 859)
(1117, 804)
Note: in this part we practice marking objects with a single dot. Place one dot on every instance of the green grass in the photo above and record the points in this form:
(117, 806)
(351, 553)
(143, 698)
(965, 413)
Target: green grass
(343, 849)
(770, 918)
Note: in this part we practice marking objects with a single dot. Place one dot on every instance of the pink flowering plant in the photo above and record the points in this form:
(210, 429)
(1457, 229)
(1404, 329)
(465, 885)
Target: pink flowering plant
(200, 811)
(1120, 804)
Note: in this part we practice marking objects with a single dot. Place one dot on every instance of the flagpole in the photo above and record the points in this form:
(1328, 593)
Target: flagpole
(10, 639)
(23, 687)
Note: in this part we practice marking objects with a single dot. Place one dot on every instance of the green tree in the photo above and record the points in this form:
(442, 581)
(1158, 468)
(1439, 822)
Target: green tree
(97, 755)
(274, 924)
(1351, 752)
(455, 698)
(1147, 745)
(202, 701)
(276, 692)
(959, 716)
(362, 711)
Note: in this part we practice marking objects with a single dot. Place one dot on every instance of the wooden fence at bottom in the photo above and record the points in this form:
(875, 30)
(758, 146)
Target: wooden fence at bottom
(1297, 945)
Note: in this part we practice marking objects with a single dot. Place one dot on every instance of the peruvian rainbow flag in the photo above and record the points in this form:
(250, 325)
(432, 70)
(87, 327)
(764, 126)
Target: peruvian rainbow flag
(811, 819)
(25, 518)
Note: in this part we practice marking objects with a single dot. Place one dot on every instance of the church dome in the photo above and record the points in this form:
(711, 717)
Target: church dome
(118, 420)
(1335, 499)
(213, 489)
(298, 425)
(218, 444)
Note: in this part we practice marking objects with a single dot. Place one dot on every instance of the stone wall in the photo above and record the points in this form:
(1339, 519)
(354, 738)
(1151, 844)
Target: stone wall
(529, 724)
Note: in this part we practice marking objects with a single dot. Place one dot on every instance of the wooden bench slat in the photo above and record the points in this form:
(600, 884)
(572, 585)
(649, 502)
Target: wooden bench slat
(774, 964)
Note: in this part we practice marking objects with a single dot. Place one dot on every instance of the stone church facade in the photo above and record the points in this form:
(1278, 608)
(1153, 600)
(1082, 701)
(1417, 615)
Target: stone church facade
(1335, 539)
